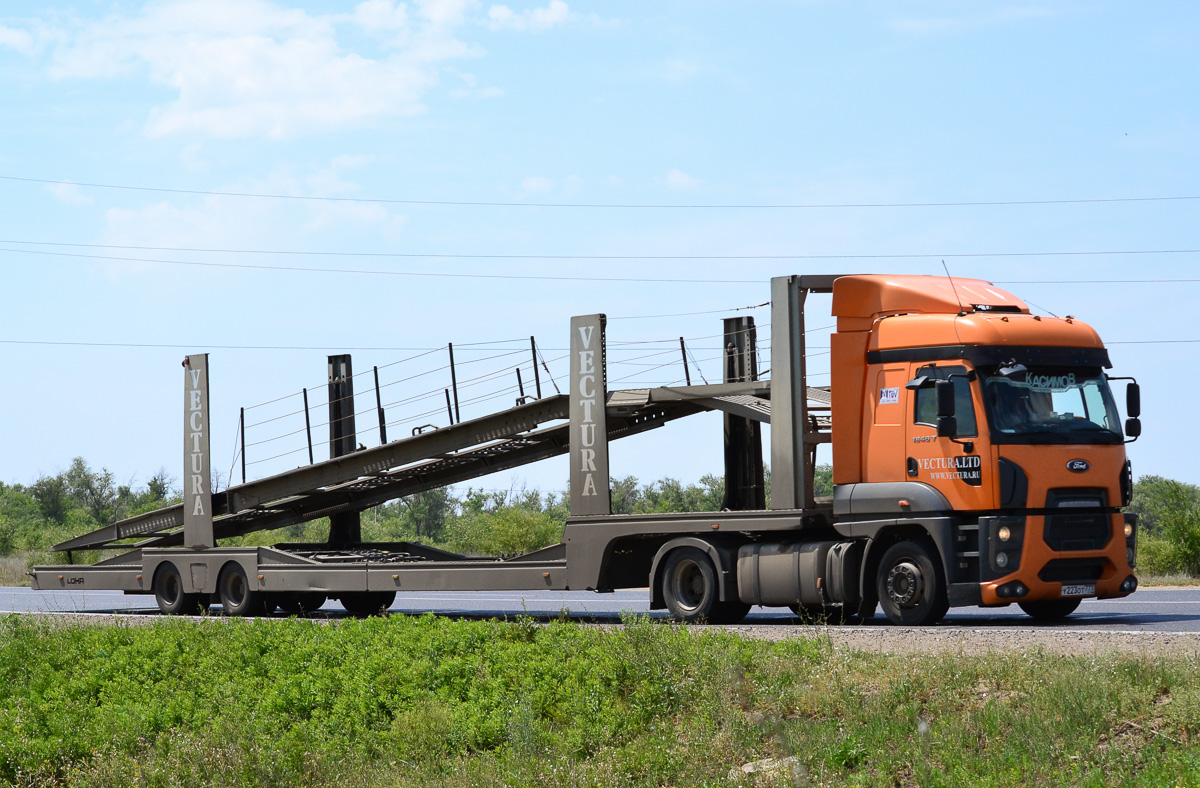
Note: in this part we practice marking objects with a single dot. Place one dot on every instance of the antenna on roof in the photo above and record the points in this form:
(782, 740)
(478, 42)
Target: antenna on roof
(961, 309)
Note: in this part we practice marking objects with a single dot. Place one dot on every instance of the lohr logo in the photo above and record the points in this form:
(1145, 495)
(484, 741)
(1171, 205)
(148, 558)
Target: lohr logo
(1079, 466)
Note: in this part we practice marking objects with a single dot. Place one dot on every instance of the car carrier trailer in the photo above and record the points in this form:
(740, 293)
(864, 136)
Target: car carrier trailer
(978, 460)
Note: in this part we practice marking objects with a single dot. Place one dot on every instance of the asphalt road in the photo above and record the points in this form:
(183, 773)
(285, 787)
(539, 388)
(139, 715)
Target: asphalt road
(1147, 610)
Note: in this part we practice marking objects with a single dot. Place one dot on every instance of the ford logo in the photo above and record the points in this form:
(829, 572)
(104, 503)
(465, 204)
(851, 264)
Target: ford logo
(1079, 466)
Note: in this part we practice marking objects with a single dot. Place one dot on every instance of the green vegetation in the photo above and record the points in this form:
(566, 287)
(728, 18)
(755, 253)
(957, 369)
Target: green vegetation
(478, 522)
(55, 508)
(430, 701)
(1169, 527)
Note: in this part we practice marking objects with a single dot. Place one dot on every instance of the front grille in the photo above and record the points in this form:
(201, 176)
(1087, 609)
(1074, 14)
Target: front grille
(1077, 530)
(1062, 570)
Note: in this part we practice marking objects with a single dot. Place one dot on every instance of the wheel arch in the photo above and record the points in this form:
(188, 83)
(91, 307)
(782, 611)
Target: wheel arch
(724, 561)
(937, 531)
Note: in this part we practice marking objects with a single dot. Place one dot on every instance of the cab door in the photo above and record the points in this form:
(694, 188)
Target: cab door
(955, 467)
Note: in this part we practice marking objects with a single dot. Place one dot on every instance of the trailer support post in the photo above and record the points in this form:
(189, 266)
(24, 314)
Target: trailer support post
(454, 385)
(687, 373)
(307, 426)
(590, 490)
(379, 408)
(345, 528)
(242, 433)
(791, 473)
(197, 459)
(745, 486)
(793, 438)
(537, 378)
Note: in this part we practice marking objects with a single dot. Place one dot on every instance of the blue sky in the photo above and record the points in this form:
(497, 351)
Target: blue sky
(406, 113)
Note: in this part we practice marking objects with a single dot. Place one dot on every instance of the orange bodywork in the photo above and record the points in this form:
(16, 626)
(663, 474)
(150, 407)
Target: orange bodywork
(876, 438)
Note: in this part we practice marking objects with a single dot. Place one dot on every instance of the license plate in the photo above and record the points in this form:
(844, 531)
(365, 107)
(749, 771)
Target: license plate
(1080, 589)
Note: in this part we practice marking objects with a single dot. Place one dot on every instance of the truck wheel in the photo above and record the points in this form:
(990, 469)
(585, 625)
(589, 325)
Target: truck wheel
(689, 586)
(235, 593)
(366, 603)
(300, 602)
(168, 593)
(1051, 609)
(910, 585)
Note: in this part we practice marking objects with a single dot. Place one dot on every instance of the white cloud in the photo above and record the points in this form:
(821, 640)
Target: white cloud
(681, 181)
(383, 17)
(501, 17)
(243, 68)
(680, 69)
(20, 40)
(69, 193)
(536, 185)
(219, 221)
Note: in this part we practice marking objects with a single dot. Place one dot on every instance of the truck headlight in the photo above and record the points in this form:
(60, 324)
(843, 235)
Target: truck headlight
(1005, 533)
(1128, 530)
(1001, 560)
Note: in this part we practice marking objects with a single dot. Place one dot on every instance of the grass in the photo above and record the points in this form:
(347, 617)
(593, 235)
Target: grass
(428, 701)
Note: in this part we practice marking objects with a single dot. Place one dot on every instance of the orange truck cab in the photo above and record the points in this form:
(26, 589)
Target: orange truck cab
(978, 448)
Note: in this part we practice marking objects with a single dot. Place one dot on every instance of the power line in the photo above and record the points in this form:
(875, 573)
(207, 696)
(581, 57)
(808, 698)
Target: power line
(481, 256)
(687, 206)
(434, 274)
(145, 346)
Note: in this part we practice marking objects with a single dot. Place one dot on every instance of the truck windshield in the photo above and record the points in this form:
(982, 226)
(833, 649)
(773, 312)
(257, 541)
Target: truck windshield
(1052, 405)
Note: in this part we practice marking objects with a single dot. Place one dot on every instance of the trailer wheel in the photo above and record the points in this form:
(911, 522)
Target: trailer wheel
(168, 593)
(1051, 609)
(366, 603)
(910, 585)
(689, 586)
(236, 595)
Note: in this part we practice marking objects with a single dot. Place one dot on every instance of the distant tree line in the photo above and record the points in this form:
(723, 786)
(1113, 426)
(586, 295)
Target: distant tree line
(500, 523)
(79, 499)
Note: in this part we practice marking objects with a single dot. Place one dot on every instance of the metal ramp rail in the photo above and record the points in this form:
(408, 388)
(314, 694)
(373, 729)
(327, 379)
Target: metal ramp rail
(449, 455)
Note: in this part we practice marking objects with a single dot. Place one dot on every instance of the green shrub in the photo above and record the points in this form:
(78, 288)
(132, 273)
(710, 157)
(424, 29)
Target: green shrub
(506, 531)
(1169, 526)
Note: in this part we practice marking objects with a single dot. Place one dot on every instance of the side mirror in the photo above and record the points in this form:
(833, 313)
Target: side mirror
(1133, 400)
(947, 427)
(1133, 428)
(945, 399)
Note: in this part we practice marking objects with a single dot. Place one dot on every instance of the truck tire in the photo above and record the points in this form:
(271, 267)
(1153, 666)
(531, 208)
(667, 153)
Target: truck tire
(168, 593)
(366, 603)
(911, 589)
(236, 595)
(689, 587)
(1050, 609)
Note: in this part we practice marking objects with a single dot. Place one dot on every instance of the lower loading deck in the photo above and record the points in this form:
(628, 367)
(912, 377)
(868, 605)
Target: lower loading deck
(597, 553)
(316, 568)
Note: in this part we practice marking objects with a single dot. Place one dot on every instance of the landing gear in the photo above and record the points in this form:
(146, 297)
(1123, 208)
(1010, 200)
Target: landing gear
(910, 585)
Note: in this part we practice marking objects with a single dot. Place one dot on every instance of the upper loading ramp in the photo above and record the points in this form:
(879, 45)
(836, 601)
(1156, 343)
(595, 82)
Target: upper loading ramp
(449, 455)
(529, 432)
